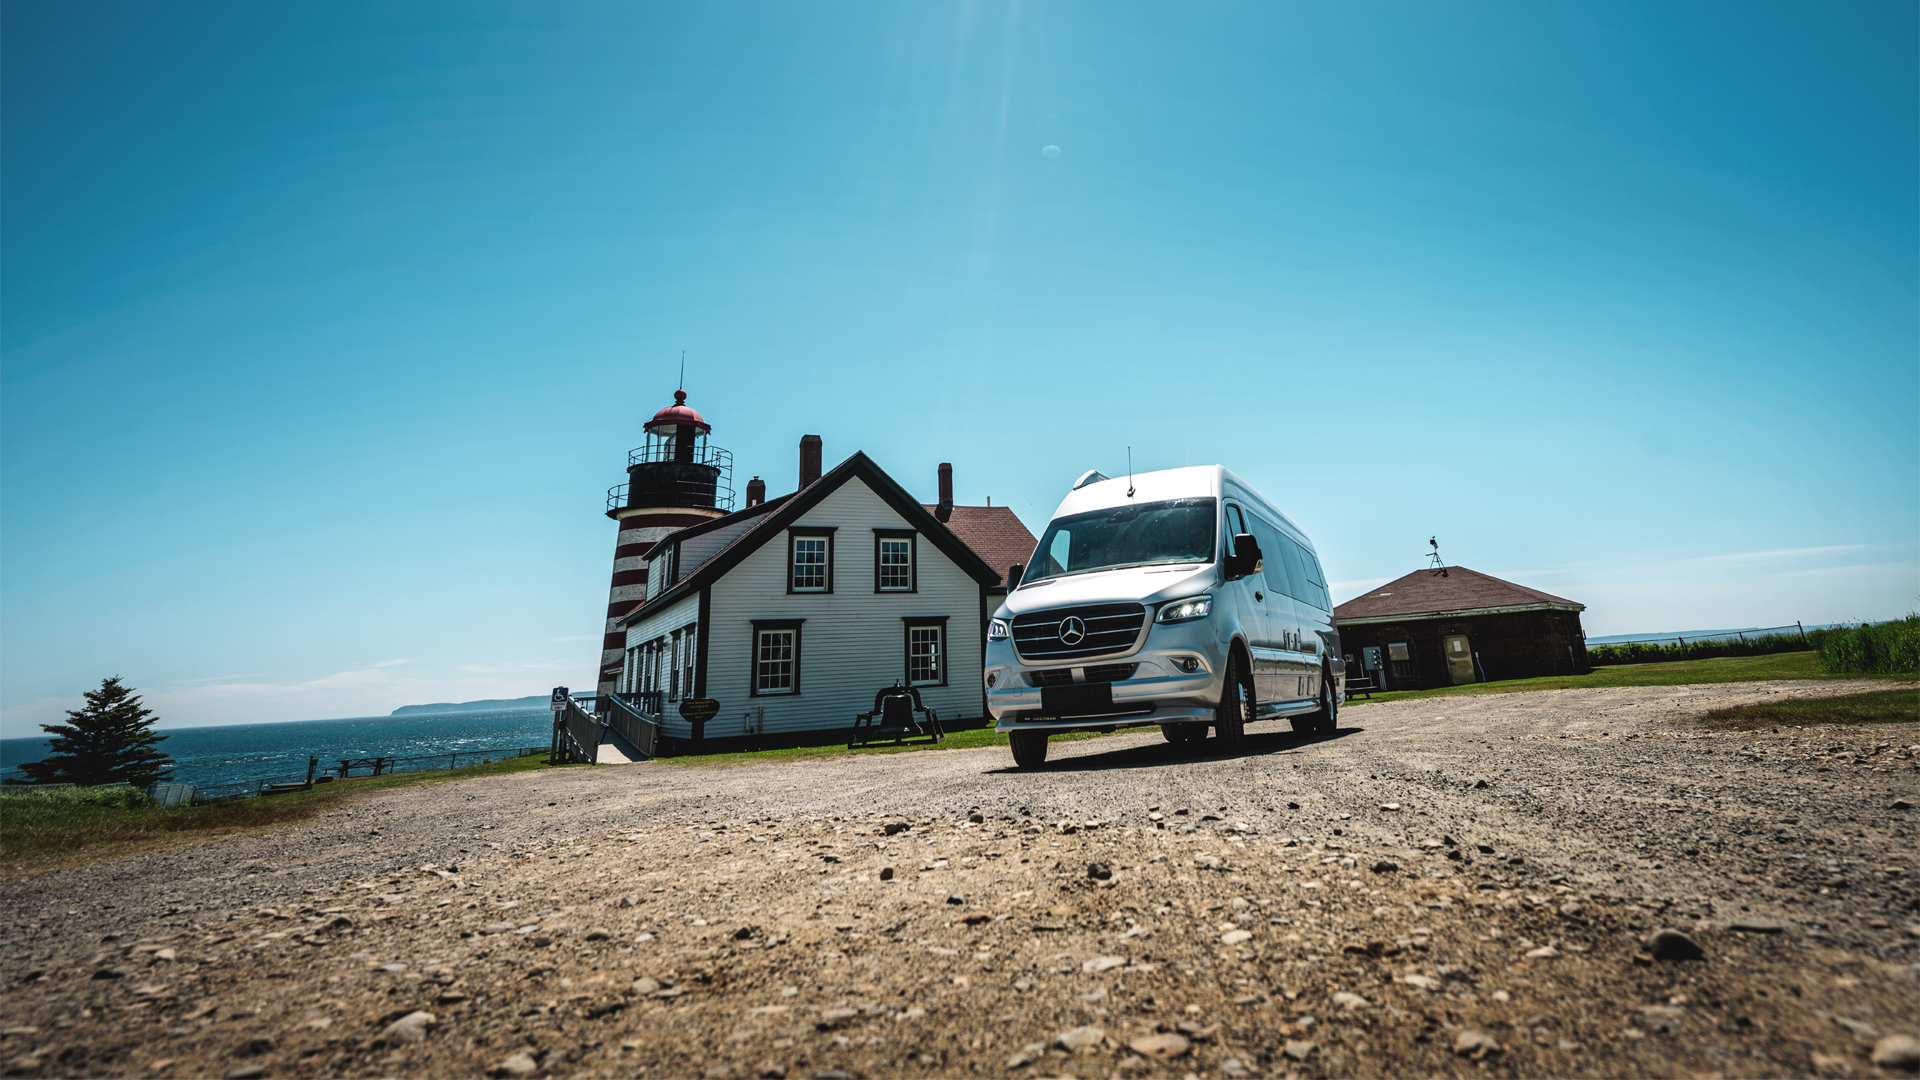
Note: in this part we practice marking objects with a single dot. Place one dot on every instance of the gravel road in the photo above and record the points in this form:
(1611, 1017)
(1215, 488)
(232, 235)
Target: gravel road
(1455, 886)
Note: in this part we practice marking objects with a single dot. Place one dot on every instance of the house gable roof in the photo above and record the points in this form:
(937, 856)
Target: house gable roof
(1426, 592)
(993, 532)
(789, 508)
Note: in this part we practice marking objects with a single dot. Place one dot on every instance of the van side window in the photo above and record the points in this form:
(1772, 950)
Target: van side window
(1319, 579)
(1272, 544)
(1298, 572)
(1234, 526)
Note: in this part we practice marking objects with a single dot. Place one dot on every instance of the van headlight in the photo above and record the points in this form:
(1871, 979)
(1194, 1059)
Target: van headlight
(997, 630)
(1193, 607)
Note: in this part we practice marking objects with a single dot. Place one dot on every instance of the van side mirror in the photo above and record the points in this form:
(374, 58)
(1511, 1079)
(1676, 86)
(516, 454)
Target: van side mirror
(1245, 558)
(1013, 575)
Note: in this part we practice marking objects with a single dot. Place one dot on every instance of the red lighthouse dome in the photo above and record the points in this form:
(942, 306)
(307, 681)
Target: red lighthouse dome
(678, 414)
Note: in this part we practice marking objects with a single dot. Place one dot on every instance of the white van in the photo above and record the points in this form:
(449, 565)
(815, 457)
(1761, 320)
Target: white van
(1179, 598)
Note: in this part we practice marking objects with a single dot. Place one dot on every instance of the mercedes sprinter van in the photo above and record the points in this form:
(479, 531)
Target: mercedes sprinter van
(1180, 598)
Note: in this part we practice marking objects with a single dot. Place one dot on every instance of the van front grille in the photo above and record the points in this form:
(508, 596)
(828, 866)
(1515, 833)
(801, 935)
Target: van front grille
(1111, 672)
(1105, 628)
(1055, 677)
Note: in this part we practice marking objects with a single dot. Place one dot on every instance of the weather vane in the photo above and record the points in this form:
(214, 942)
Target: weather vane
(1434, 543)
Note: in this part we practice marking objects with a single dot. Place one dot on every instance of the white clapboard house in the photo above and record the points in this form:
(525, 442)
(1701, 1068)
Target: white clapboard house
(793, 613)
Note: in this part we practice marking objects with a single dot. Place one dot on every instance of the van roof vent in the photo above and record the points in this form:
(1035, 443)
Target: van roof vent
(1091, 476)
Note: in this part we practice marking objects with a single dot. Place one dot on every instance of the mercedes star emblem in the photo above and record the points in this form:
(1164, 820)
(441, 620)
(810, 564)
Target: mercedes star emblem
(1072, 631)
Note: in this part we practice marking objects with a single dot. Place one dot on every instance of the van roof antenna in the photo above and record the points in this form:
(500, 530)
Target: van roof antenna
(1436, 564)
(1129, 472)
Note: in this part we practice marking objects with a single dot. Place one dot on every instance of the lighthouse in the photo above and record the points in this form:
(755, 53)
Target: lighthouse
(674, 481)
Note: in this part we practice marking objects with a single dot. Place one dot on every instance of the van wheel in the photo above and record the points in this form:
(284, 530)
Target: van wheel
(1236, 707)
(1326, 718)
(1029, 748)
(1182, 734)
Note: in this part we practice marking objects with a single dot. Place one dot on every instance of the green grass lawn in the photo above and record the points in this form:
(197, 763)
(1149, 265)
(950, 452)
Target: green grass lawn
(1793, 665)
(1901, 706)
(43, 832)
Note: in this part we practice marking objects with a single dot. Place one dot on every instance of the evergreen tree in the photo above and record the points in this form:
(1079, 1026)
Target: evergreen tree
(109, 741)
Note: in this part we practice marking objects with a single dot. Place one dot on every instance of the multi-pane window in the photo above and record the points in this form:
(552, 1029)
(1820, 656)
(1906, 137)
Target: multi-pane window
(687, 666)
(810, 564)
(775, 661)
(926, 662)
(896, 563)
(673, 668)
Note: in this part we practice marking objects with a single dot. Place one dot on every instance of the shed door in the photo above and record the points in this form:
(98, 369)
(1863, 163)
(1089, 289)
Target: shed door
(1459, 658)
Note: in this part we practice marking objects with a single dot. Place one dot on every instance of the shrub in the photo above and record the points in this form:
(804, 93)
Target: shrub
(1641, 652)
(1888, 648)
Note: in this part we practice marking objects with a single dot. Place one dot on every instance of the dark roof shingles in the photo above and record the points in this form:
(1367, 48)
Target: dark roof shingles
(1426, 592)
(993, 532)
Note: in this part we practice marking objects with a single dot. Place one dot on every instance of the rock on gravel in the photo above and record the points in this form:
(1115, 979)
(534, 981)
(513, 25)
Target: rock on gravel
(1077, 1039)
(409, 1029)
(519, 1064)
(1474, 1043)
(1161, 1047)
(1897, 1052)
(1674, 945)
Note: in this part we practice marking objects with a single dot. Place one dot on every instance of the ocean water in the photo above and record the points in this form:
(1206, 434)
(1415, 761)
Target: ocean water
(238, 753)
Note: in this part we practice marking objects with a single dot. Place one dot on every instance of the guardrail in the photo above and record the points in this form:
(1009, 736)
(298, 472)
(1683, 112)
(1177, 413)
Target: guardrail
(576, 735)
(1701, 639)
(631, 718)
(374, 766)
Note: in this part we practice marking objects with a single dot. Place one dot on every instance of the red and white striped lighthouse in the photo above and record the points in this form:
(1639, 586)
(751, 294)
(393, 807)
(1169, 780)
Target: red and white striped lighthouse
(675, 480)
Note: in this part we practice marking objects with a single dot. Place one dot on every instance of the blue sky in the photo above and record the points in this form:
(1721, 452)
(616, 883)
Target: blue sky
(327, 326)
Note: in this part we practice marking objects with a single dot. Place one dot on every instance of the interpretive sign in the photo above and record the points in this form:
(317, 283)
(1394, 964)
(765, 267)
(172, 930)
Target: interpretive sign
(699, 710)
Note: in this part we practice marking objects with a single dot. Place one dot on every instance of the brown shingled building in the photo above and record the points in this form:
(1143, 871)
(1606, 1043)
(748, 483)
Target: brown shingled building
(1448, 625)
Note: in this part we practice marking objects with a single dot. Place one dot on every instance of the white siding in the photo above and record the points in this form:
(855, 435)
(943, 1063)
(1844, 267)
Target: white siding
(853, 641)
(695, 550)
(661, 623)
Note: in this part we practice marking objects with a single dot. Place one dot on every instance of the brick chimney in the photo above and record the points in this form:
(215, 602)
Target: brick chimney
(809, 459)
(945, 509)
(756, 491)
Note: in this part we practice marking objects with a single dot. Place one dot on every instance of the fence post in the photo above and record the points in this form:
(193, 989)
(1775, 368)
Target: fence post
(311, 763)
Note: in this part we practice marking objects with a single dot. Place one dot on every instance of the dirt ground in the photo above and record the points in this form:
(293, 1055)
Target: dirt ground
(1458, 887)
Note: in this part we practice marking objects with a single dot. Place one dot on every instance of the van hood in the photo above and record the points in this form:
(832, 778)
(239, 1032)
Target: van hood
(1142, 584)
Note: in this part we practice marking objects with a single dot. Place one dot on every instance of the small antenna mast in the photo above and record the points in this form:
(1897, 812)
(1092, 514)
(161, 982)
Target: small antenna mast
(1129, 472)
(1434, 543)
(683, 369)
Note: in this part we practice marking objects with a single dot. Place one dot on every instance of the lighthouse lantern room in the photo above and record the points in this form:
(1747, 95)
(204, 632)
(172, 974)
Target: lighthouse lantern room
(674, 480)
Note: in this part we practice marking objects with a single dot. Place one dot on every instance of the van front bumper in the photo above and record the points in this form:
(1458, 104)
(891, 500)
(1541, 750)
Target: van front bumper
(1158, 692)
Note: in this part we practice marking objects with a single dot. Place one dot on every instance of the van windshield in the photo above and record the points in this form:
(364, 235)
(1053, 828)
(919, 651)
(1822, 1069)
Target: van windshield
(1146, 534)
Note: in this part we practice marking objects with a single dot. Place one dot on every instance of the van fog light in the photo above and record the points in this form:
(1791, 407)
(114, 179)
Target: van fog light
(992, 678)
(1188, 664)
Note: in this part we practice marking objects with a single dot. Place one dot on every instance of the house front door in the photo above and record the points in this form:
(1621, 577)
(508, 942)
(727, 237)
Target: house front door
(1459, 659)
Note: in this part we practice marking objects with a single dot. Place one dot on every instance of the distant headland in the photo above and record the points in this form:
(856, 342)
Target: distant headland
(488, 705)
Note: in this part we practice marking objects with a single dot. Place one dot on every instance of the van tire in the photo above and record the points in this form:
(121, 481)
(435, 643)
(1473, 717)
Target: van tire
(1236, 705)
(1029, 748)
(1327, 718)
